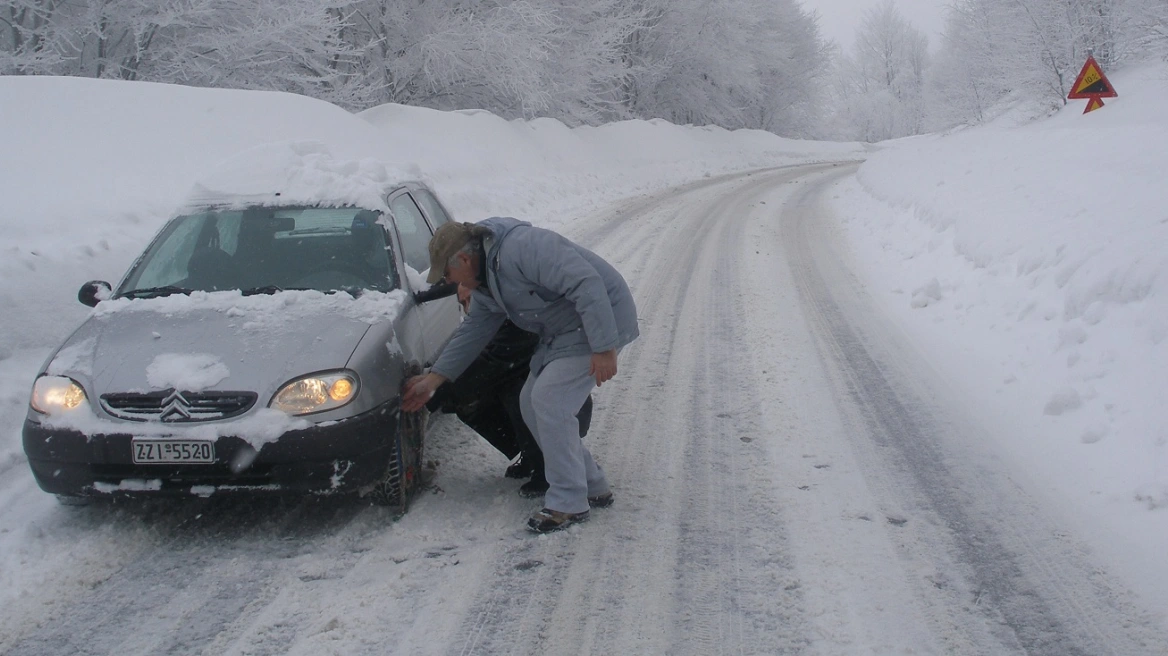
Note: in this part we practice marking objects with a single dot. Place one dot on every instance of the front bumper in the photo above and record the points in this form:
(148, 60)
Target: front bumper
(335, 457)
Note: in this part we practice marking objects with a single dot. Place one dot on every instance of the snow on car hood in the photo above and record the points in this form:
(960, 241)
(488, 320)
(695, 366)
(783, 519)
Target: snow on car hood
(218, 340)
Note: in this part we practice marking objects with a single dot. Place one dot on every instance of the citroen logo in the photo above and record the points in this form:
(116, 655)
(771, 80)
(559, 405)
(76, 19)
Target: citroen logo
(175, 408)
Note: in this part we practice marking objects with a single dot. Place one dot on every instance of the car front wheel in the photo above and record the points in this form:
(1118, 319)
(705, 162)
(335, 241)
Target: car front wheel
(405, 463)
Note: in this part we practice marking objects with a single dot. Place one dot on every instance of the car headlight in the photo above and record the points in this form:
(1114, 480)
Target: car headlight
(316, 393)
(56, 394)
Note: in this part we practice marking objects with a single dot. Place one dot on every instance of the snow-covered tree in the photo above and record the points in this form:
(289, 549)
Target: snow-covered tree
(734, 63)
(793, 67)
(587, 73)
(1149, 26)
(965, 79)
(23, 48)
(879, 85)
(1023, 49)
(97, 38)
(290, 46)
(454, 54)
(679, 66)
(723, 62)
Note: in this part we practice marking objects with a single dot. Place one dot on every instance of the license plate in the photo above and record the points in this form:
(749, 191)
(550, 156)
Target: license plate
(148, 452)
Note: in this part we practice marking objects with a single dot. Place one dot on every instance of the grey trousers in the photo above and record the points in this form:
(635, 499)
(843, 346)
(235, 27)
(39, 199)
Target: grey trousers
(549, 402)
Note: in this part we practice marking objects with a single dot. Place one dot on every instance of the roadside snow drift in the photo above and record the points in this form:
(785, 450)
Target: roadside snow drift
(1029, 262)
(103, 163)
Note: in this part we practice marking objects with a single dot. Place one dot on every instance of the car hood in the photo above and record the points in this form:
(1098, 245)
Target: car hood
(200, 349)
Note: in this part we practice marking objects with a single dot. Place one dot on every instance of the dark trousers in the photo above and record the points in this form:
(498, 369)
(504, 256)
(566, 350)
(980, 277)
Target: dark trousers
(486, 398)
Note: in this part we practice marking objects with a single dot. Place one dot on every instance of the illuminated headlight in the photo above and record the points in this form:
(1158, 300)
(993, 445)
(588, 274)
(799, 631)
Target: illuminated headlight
(56, 394)
(316, 393)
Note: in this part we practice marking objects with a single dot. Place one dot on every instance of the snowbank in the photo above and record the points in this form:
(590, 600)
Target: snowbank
(1030, 261)
(103, 163)
(546, 173)
(297, 173)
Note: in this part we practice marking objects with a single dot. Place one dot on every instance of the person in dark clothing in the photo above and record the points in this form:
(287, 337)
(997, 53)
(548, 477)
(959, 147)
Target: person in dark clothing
(486, 398)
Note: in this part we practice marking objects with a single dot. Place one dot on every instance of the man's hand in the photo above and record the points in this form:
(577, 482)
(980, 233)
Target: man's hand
(419, 389)
(603, 366)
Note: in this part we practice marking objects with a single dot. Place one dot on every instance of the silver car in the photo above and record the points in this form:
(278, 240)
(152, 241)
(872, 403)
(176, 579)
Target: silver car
(250, 348)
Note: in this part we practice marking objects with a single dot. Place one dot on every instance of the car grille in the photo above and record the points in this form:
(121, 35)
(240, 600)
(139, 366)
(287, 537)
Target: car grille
(178, 407)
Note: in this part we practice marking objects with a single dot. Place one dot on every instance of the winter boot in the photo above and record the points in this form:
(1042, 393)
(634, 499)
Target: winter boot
(535, 488)
(548, 520)
(521, 468)
(601, 500)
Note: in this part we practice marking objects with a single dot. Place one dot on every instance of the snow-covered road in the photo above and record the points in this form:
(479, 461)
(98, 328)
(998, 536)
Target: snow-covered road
(791, 477)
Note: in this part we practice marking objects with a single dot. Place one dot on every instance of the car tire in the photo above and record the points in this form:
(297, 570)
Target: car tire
(405, 463)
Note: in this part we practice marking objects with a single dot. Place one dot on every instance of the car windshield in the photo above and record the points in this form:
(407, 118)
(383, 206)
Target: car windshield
(265, 250)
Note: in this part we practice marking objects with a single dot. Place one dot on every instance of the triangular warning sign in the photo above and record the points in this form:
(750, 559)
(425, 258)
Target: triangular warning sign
(1093, 104)
(1092, 83)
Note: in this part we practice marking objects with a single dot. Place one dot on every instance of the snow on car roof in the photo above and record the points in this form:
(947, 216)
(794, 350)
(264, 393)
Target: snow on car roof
(298, 173)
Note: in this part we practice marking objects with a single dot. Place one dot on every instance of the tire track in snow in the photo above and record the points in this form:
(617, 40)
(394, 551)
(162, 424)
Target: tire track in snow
(727, 543)
(211, 569)
(663, 572)
(515, 614)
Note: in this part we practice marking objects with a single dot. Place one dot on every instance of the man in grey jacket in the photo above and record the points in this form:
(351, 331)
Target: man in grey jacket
(583, 312)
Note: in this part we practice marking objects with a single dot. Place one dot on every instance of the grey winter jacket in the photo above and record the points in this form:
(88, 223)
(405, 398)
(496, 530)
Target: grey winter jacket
(575, 301)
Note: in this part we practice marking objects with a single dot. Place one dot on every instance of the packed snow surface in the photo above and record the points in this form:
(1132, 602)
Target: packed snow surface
(1025, 259)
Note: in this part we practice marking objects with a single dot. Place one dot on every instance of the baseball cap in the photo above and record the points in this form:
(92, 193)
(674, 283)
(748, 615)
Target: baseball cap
(448, 240)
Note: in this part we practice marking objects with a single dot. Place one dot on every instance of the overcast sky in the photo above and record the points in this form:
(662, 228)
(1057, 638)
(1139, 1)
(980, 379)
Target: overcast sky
(838, 19)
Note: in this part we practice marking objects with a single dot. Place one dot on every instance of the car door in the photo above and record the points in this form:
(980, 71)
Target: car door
(437, 215)
(408, 327)
(439, 318)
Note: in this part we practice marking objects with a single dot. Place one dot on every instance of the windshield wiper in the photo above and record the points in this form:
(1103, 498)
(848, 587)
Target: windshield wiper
(319, 231)
(270, 289)
(154, 292)
(355, 292)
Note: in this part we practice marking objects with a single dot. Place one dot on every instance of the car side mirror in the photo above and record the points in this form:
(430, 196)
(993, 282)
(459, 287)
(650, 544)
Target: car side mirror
(436, 292)
(94, 292)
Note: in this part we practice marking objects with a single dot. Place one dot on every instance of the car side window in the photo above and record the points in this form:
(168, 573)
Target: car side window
(433, 208)
(413, 231)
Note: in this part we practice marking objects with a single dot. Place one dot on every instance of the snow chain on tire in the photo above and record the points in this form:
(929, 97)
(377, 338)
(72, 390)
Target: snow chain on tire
(405, 460)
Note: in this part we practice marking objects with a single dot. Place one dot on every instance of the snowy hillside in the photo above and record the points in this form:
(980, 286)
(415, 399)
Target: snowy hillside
(1029, 263)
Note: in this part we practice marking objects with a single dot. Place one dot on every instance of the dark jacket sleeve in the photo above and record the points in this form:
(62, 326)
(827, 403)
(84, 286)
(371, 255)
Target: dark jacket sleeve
(471, 337)
(512, 345)
(436, 292)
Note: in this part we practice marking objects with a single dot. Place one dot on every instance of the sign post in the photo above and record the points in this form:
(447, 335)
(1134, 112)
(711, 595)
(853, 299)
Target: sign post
(1092, 85)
